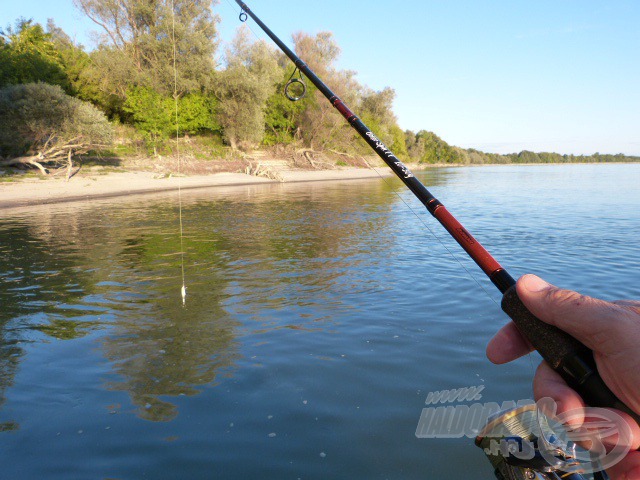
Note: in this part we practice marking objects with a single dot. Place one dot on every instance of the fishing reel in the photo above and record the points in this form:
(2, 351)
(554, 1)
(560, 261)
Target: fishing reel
(524, 444)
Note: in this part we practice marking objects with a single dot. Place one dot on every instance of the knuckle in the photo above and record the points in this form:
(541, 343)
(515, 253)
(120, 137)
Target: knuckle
(566, 298)
(563, 302)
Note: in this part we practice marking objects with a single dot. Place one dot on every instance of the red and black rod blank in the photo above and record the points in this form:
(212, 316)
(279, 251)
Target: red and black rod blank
(570, 358)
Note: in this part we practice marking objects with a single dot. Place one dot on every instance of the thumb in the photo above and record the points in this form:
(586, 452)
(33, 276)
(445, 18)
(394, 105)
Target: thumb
(602, 326)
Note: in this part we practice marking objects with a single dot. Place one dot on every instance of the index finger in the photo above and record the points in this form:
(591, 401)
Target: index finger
(507, 345)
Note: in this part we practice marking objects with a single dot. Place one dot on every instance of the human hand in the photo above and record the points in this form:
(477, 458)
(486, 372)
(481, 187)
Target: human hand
(611, 330)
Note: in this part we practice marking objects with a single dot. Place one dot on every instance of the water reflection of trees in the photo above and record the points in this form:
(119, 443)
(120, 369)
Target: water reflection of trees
(10, 354)
(162, 349)
(63, 273)
(169, 358)
(39, 274)
(118, 268)
(245, 248)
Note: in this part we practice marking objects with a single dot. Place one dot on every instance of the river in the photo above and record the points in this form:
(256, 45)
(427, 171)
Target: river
(318, 318)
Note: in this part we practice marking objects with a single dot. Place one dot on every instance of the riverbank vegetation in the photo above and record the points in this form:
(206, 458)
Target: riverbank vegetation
(222, 100)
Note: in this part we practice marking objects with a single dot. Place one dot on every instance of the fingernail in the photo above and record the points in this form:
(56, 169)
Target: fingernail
(534, 284)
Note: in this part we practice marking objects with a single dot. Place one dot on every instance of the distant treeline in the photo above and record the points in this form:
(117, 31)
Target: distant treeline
(228, 96)
(429, 148)
(545, 157)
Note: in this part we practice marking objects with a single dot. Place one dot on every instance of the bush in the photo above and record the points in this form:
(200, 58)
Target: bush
(155, 114)
(39, 122)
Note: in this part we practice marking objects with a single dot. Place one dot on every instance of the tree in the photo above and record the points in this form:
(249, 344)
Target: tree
(39, 123)
(28, 54)
(427, 147)
(137, 44)
(197, 113)
(526, 156)
(75, 63)
(243, 89)
(377, 113)
(321, 126)
(282, 116)
(151, 113)
(320, 52)
(398, 143)
(379, 105)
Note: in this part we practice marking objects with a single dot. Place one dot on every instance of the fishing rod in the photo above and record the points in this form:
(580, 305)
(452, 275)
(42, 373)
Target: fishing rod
(566, 355)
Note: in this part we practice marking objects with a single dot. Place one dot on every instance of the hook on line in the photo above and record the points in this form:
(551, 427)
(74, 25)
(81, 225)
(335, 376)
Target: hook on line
(243, 16)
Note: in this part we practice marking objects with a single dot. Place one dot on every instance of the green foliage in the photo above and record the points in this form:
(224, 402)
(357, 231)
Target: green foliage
(108, 77)
(427, 147)
(244, 88)
(37, 118)
(137, 49)
(75, 63)
(141, 33)
(398, 143)
(151, 114)
(282, 116)
(320, 125)
(155, 114)
(197, 113)
(476, 157)
(320, 51)
(379, 105)
(546, 157)
(130, 76)
(28, 54)
(377, 114)
(526, 156)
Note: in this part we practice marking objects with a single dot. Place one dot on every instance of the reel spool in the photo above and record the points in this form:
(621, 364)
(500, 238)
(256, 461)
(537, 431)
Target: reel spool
(524, 444)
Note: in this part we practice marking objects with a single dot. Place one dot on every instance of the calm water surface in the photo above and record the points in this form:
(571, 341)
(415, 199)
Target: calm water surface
(318, 318)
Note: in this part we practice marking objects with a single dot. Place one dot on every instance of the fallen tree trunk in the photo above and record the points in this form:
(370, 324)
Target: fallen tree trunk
(31, 160)
(58, 155)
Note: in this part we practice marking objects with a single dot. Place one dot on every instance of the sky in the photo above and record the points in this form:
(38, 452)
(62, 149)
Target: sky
(496, 75)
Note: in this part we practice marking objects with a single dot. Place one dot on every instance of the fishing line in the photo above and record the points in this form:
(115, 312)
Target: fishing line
(532, 367)
(421, 219)
(571, 359)
(242, 16)
(183, 290)
(433, 234)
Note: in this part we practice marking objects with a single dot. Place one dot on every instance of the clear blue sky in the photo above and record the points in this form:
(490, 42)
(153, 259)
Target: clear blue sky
(500, 76)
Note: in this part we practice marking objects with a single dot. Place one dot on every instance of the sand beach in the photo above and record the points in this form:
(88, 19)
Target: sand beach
(88, 185)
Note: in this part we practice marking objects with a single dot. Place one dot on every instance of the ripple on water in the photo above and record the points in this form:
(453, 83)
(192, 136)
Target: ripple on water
(318, 318)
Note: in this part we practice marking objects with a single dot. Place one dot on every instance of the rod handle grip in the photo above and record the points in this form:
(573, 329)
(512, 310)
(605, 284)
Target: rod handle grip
(566, 355)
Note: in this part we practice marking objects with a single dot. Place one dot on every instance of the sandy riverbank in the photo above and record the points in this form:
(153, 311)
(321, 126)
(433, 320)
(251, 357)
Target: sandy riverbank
(88, 186)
